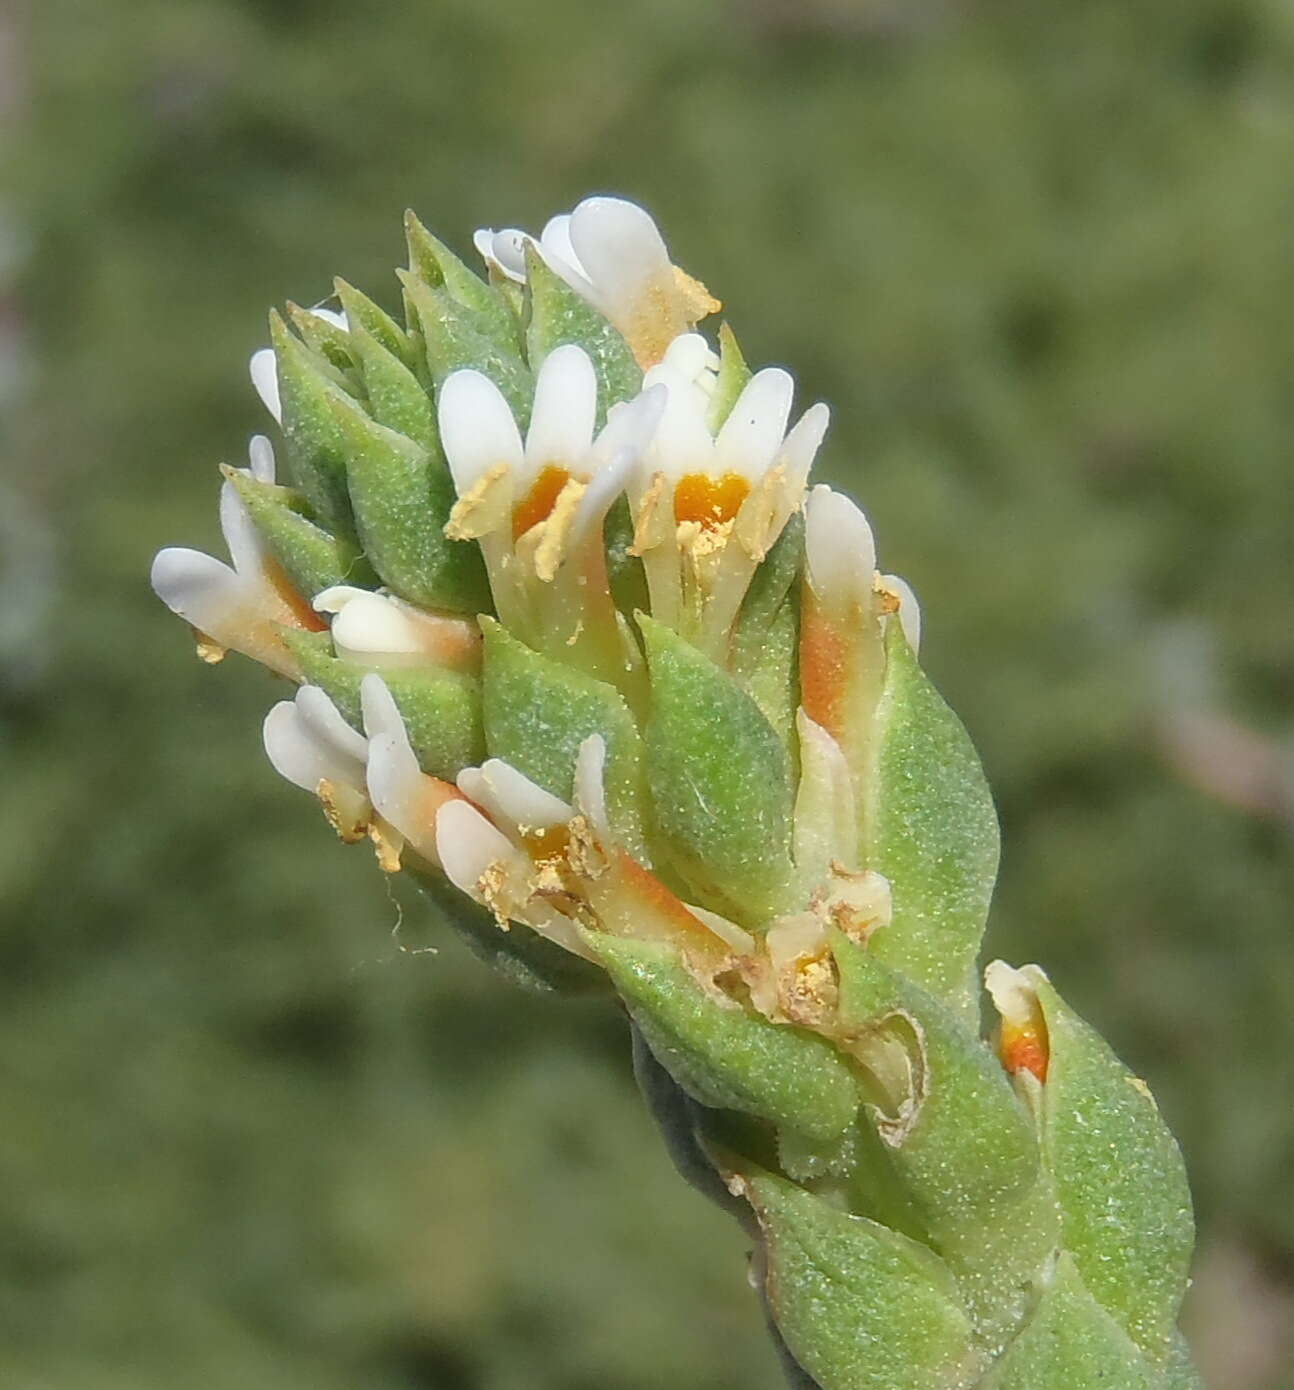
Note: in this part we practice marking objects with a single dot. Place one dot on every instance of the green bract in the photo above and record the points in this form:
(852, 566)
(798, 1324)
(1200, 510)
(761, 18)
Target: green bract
(577, 647)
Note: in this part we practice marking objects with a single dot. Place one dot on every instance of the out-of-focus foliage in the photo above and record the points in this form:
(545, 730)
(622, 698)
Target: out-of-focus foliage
(1039, 260)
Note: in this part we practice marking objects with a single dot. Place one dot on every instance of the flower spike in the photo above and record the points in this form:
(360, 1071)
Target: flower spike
(582, 650)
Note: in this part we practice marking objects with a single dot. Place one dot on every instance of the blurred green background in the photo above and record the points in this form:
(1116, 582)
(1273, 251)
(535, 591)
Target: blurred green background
(261, 1122)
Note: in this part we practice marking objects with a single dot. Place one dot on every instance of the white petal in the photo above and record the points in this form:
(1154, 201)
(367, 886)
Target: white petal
(909, 609)
(604, 487)
(558, 251)
(325, 723)
(393, 780)
(505, 249)
(246, 549)
(690, 355)
(590, 789)
(476, 429)
(682, 443)
(374, 629)
(381, 715)
(198, 587)
(335, 598)
(839, 548)
(510, 797)
(265, 378)
(631, 426)
(336, 317)
(300, 753)
(566, 402)
(401, 792)
(1014, 992)
(752, 434)
(260, 459)
(293, 753)
(620, 250)
(467, 845)
(803, 442)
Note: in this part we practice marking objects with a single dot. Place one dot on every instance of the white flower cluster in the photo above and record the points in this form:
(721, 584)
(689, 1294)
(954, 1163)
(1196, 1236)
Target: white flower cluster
(710, 484)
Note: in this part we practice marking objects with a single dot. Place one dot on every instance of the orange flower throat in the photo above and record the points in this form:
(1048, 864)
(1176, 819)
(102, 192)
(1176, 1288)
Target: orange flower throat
(1025, 1047)
(536, 505)
(711, 501)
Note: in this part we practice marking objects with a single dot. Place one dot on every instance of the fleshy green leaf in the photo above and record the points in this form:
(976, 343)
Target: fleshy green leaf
(316, 449)
(453, 339)
(930, 828)
(537, 713)
(1071, 1343)
(312, 559)
(558, 315)
(763, 651)
(960, 1136)
(324, 338)
(965, 1152)
(396, 398)
(861, 1307)
(625, 572)
(731, 381)
(729, 1057)
(432, 262)
(363, 315)
(441, 709)
(1120, 1180)
(401, 494)
(720, 781)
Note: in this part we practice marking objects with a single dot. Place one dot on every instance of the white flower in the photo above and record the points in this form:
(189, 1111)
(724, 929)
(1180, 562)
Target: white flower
(236, 608)
(309, 743)
(263, 366)
(512, 800)
(504, 251)
(536, 507)
(840, 552)
(380, 630)
(612, 254)
(405, 796)
(840, 557)
(707, 507)
(506, 847)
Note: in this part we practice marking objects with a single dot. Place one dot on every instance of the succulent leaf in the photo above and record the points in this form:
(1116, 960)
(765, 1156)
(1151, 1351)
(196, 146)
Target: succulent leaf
(313, 558)
(1120, 1181)
(861, 1307)
(558, 315)
(441, 709)
(726, 1056)
(401, 495)
(1071, 1341)
(930, 829)
(720, 780)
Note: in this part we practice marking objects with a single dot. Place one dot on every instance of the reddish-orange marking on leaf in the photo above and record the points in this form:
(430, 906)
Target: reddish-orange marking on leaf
(305, 616)
(657, 898)
(535, 506)
(1024, 1047)
(711, 501)
(822, 667)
